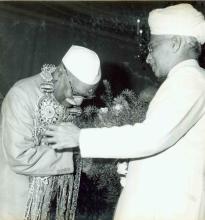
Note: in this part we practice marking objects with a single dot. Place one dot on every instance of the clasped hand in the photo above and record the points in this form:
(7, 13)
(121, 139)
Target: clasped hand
(64, 135)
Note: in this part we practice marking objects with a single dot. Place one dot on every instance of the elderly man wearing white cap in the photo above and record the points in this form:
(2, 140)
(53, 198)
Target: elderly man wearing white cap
(32, 174)
(167, 179)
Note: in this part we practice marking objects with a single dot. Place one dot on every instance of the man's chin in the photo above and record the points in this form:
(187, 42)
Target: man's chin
(160, 77)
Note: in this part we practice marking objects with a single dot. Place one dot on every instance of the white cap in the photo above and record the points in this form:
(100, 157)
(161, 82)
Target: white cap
(83, 63)
(180, 19)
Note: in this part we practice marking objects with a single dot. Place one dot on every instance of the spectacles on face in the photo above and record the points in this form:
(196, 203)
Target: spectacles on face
(75, 93)
(155, 43)
(152, 46)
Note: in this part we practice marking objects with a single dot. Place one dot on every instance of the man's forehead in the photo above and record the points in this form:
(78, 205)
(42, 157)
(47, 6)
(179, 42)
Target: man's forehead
(154, 37)
(159, 38)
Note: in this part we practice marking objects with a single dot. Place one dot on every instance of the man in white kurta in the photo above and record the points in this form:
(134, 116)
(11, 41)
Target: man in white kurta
(169, 185)
(167, 179)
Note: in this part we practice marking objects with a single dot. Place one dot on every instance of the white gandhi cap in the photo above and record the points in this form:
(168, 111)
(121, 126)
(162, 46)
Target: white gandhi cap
(83, 63)
(180, 19)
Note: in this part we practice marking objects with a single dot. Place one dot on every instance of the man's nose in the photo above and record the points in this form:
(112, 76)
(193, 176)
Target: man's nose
(149, 58)
(78, 100)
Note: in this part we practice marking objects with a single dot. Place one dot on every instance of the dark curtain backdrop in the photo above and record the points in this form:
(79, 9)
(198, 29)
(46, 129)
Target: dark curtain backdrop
(35, 33)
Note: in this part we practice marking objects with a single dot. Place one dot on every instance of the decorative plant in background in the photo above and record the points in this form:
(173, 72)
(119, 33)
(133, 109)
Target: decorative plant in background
(100, 186)
(1, 99)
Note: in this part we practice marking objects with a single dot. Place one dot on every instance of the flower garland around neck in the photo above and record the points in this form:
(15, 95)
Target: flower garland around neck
(47, 85)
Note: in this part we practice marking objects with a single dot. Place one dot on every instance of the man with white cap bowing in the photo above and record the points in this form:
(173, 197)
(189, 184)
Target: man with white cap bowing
(167, 179)
(33, 175)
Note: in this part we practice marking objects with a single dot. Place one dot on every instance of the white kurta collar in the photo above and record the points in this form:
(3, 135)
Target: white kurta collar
(186, 63)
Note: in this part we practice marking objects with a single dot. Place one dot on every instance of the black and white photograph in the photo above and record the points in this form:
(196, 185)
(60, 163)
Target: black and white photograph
(102, 110)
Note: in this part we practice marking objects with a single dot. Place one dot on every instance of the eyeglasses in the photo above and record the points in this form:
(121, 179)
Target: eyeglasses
(155, 43)
(152, 46)
(150, 49)
(76, 93)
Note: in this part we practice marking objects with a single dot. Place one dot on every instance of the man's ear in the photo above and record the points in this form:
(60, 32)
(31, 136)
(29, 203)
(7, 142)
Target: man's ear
(58, 73)
(176, 42)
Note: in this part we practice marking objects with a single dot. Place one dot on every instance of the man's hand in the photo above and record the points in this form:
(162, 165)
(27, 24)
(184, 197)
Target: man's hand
(122, 169)
(64, 135)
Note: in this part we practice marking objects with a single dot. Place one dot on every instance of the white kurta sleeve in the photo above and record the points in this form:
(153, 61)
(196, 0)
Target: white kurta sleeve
(169, 118)
(22, 155)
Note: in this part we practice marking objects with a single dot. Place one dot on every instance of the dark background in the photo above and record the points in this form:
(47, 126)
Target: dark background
(35, 33)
